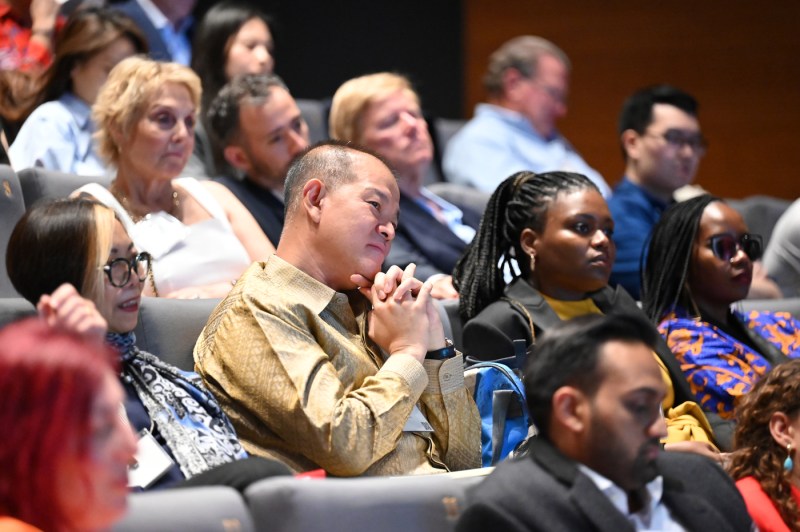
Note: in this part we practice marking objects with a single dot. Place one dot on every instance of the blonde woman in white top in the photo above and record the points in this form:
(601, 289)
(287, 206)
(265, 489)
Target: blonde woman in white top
(201, 237)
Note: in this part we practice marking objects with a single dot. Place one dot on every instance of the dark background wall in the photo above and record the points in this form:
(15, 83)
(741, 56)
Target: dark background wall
(322, 44)
(740, 59)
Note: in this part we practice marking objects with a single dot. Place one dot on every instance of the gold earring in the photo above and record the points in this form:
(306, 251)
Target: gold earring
(533, 262)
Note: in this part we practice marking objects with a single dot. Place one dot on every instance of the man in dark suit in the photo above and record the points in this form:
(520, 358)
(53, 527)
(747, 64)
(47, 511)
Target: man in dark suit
(594, 392)
(167, 25)
(258, 128)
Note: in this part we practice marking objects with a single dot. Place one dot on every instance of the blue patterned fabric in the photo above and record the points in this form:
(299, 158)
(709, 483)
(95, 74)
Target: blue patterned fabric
(196, 430)
(719, 367)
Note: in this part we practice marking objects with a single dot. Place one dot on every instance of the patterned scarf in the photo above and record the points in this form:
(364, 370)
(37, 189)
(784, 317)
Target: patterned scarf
(194, 427)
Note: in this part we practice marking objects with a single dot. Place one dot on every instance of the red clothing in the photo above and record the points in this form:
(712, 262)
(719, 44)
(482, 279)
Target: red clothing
(760, 506)
(17, 51)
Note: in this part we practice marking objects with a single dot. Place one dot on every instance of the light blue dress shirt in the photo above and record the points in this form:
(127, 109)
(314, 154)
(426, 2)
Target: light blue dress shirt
(452, 215)
(498, 142)
(58, 136)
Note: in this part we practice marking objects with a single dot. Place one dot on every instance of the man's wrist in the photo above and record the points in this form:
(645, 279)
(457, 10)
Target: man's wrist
(448, 351)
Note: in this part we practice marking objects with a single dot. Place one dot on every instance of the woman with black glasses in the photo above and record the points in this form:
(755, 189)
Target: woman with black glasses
(699, 263)
(184, 436)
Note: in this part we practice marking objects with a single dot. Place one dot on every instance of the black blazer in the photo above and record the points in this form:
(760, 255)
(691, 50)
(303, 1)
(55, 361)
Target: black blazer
(265, 207)
(489, 336)
(423, 240)
(546, 492)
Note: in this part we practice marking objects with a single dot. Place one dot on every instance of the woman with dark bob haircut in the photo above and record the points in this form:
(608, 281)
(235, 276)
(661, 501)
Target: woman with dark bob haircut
(765, 463)
(699, 263)
(81, 242)
(65, 450)
(552, 232)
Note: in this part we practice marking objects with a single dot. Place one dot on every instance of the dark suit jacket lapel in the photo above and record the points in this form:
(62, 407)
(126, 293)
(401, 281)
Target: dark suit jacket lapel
(584, 494)
(692, 512)
(435, 240)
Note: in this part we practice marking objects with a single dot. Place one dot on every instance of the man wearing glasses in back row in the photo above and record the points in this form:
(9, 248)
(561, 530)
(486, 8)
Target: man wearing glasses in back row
(662, 146)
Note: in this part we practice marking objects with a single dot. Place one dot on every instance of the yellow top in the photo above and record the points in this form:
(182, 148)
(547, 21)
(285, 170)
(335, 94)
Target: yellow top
(685, 422)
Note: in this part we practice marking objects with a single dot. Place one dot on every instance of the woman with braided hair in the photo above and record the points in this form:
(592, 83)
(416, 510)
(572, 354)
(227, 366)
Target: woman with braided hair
(553, 231)
(765, 463)
(700, 262)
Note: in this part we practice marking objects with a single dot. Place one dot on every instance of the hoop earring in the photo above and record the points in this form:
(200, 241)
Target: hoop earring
(788, 464)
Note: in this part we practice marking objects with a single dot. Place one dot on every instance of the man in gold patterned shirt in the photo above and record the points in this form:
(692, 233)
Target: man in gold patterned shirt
(322, 361)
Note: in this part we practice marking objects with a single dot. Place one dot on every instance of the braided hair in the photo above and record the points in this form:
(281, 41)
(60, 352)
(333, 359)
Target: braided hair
(757, 453)
(669, 255)
(520, 202)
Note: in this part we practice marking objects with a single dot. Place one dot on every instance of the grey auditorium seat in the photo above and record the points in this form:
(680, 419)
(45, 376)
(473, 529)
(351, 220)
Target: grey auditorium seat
(315, 113)
(168, 328)
(12, 207)
(419, 503)
(41, 184)
(206, 509)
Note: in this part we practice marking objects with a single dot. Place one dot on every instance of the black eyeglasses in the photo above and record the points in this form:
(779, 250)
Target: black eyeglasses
(725, 247)
(679, 139)
(119, 270)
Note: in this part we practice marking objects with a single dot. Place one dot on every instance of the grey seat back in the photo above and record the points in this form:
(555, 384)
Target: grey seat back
(168, 328)
(40, 184)
(315, 113)
(12, 207)
(206, 509)
(418, 503)
(13, 309)
(760, 213)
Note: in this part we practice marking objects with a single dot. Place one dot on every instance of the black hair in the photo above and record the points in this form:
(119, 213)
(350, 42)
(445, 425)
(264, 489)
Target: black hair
(51, 245)
(223, 112)
(637, 111)
(210, 46)
(669, 256)
(567, 354)
(519, 202)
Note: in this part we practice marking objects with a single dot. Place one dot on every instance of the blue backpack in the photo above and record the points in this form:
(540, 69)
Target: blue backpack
(500, 397)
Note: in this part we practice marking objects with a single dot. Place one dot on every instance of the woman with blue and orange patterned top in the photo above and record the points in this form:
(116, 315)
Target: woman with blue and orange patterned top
(699, 263)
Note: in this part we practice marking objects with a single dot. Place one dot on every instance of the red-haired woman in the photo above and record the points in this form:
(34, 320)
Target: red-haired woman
(65, 449)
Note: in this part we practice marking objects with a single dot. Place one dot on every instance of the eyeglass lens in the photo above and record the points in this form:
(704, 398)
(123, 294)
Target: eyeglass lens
(725, 247)
(120, 269)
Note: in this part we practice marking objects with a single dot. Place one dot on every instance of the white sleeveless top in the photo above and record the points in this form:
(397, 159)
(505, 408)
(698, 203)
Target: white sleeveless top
(185, 255)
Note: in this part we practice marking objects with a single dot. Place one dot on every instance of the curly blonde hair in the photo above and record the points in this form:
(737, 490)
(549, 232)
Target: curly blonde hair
(123, 99)
(757, 453)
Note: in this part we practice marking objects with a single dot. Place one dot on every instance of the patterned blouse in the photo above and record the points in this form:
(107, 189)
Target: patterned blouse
(719, 367)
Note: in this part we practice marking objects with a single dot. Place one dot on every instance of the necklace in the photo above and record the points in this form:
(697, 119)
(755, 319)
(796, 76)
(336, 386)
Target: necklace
(123, 199)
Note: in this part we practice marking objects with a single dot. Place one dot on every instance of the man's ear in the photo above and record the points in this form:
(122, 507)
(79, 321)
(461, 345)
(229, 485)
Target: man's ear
(511, 81)
(528, 240)
(314, 193)
(237, 158)
(570, 409)
(631, 143)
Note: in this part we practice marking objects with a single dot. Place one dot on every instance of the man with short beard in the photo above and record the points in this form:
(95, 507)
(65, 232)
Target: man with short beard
(594, 392)
(257, 127)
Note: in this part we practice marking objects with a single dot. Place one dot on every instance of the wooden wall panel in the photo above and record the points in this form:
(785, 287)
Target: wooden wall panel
(740, 59)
